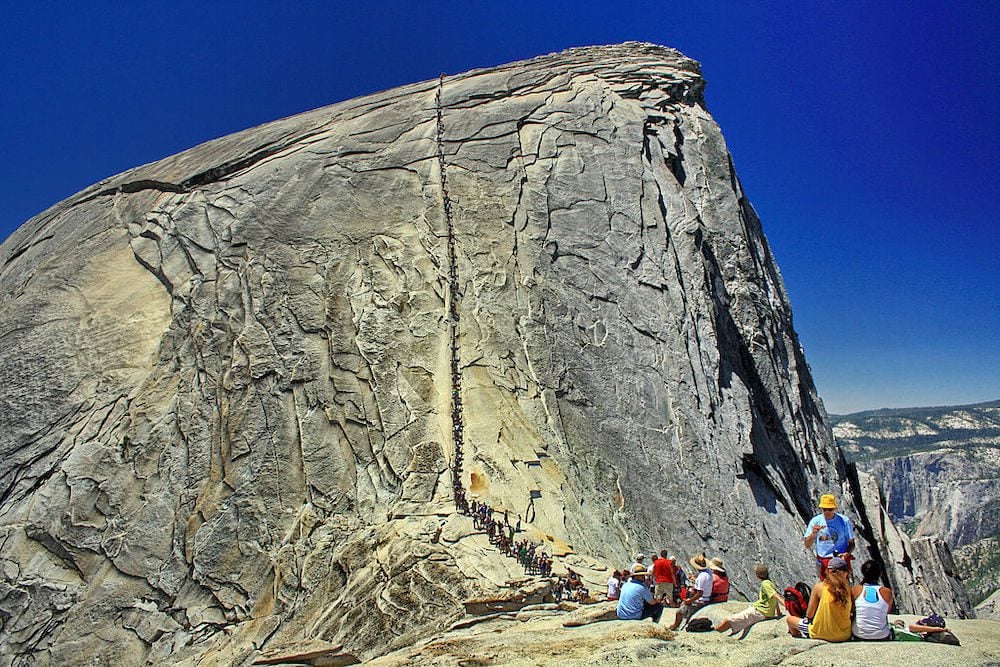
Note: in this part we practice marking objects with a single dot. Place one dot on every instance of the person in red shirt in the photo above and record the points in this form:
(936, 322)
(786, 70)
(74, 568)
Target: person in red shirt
(664, 577)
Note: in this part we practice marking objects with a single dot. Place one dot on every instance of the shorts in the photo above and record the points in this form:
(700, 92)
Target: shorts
(664, 590)
(746, 618)
(804, 627)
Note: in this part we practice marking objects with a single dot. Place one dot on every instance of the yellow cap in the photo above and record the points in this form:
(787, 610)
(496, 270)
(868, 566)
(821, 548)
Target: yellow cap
(827, 502)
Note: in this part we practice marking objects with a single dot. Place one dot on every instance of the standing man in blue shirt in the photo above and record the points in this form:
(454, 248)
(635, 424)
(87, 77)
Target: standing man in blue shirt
(635, 602)
(831, 533)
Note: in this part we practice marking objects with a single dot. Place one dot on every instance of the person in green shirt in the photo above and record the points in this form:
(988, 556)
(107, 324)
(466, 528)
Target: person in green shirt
(764, 608)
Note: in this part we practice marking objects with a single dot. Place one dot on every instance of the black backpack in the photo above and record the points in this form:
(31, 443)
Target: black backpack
(700, 624)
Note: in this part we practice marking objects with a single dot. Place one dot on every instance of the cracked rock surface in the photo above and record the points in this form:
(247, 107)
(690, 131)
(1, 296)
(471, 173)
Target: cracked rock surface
(225, 389)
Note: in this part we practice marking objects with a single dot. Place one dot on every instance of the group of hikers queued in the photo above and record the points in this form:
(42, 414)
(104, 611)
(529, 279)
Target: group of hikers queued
(836, 609)
(501, 533)
(571, 588)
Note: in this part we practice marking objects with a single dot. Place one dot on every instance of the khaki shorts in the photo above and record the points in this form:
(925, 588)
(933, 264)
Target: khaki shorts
(688, 609)
(746, 618)
(664, 589)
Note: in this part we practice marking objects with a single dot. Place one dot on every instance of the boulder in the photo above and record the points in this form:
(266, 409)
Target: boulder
(229, 378)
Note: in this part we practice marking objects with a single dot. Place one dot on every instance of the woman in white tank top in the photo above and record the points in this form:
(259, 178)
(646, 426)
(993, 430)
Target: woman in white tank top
(872, 603)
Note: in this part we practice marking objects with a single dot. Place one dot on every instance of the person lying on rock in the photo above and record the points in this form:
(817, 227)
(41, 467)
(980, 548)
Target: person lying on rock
(636, 602)
(829, 614)
(764, 608)
(702, 592)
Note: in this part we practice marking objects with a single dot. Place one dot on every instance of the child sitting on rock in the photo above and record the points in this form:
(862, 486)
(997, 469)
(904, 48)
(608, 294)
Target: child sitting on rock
(765, 607)
(829, 614)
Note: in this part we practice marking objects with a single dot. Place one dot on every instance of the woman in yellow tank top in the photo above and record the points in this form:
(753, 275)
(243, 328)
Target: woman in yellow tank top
(829, 613)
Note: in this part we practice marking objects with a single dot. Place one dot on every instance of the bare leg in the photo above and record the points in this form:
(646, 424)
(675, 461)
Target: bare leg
(725, 625)
(915, 627)
(793, 625)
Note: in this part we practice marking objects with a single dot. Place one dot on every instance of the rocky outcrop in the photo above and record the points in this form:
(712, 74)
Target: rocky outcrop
(921, 572)
(558, 638)
(937, 470)
(938, 466)
(951, 493)
(990, 607)
(231, 381)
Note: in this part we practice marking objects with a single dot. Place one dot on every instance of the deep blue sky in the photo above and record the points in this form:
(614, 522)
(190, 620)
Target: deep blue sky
(864, 133)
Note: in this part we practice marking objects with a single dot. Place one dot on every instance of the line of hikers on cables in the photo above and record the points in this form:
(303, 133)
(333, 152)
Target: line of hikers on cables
(501, 533)
(835, 609)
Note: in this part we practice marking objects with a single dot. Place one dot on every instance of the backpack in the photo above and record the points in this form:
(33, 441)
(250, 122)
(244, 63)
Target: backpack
(797, 599)
(934, 621)
(946, 637)
(700, 624)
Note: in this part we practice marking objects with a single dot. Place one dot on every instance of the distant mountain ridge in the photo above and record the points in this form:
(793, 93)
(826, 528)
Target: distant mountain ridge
(890, 432)
(938, 469)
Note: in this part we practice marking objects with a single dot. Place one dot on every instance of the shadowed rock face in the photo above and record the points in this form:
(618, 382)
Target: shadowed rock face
(225, 383)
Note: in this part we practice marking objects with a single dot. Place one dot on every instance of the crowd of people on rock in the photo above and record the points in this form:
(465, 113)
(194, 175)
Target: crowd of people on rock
(501, 531)
(461, 501)
(571, 588)
(837, 610)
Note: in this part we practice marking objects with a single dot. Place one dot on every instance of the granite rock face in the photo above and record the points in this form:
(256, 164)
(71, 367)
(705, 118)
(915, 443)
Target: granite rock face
(921, 571)
(226, 387)
(938, 466)
(953, 494)
(937, 472)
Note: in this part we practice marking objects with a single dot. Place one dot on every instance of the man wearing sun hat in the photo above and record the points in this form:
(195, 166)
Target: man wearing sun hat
(702, 595)
(830, 533)
(635, 602)
(639, 562)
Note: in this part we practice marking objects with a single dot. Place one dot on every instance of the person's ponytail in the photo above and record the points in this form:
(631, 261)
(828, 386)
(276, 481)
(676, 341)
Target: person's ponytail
(836, 583)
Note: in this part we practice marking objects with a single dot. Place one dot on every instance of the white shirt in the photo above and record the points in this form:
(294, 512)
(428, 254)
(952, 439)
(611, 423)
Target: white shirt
(703, 582)
(614, 587)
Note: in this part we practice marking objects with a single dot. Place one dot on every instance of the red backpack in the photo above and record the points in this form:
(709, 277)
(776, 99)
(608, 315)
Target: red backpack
(797, 599)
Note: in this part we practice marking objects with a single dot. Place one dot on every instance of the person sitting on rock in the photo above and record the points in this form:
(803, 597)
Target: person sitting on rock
(831, 534)
(720, 581)
(702, 592)
(829, 614)
(639, 558)
(872, 602)
(680, 581)
(614, 585)
(636, 602)
(764, 608)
